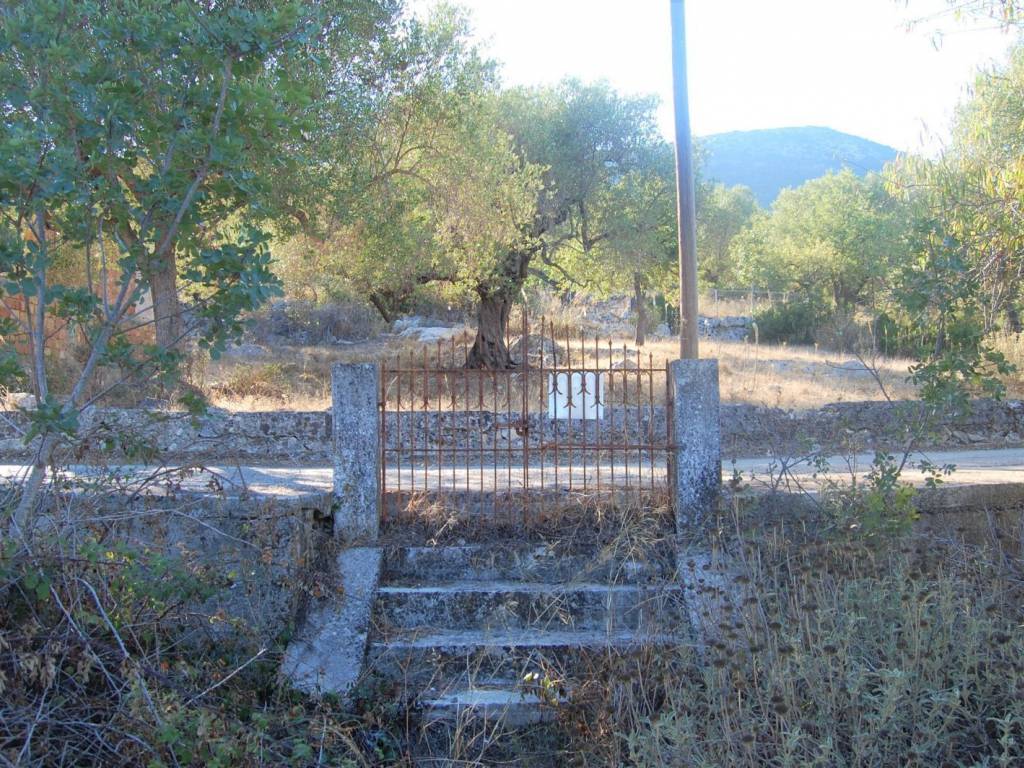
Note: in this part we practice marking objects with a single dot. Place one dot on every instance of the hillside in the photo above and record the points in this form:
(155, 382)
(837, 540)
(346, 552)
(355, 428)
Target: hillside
(769, 160)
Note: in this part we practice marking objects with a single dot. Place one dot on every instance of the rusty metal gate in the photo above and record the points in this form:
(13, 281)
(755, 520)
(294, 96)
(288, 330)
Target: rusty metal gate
(576, 414)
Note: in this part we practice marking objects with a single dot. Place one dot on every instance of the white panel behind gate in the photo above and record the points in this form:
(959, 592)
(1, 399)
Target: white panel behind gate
(576, 395)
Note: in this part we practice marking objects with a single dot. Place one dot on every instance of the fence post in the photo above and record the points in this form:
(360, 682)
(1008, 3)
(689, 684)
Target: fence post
(355, 388)
(696, 463)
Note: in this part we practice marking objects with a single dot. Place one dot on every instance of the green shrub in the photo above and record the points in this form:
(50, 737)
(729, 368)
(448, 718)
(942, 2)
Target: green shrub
(792, 323)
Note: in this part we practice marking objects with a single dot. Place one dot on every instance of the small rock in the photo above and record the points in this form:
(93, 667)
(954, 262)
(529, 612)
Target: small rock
(403, 324)
(431, 334)
(24, 400)
(725, 328)
(662, 331)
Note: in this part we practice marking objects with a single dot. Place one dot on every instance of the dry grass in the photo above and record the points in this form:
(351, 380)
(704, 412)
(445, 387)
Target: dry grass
(783, 376)
(836, 650)
(812, 645)
(298, 378)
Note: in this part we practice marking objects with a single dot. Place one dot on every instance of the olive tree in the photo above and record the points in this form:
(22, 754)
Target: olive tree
(835, 239)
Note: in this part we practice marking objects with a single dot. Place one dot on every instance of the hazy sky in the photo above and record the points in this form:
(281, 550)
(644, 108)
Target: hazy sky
(847, 64)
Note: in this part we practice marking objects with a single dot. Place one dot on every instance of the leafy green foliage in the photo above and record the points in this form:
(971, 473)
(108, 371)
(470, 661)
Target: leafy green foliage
(238, 279)
(834, 239)
(791, 323)
(722, 214)
(150, 144)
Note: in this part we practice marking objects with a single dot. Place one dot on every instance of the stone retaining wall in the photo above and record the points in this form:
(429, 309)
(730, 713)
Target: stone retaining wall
(304, 437)
(256, 554)
(754, 431)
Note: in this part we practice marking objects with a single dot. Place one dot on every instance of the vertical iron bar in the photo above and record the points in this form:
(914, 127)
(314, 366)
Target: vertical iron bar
(524, 345)
(469, 443)
(437, 416)
(396, 452)
(398, 422)
(382, 441)
(494, 444)
(583, 388)
(509, 449)
(570, 408)
(611, 415)
(598, 408)
(650, 415)
(626, 413)
(639, 424)
(542, 417)
(423, 419)
(669, 431)
(553, 381)
(456, 442)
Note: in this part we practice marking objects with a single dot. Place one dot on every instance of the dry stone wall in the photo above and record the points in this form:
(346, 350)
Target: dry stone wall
(305, 437)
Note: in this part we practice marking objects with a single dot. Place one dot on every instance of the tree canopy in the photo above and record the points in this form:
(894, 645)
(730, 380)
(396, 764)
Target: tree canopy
(145, 137)
(836, 237)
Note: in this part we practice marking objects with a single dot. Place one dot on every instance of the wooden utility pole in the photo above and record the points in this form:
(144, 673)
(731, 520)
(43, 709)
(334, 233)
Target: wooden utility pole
(685, 212)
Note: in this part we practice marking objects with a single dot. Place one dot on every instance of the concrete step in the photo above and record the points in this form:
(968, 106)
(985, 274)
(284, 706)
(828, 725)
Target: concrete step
(494, 702)
(522, 605)
(406, 566)
(444, 657)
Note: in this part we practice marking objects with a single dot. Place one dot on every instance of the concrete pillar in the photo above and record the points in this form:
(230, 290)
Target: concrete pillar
(355, 388)
(696, 466)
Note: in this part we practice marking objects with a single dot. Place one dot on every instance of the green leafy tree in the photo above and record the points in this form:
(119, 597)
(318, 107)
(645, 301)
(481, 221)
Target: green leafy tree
(980, 182)
(964, 279)
(636, 254)
(639, 251)
(722, 214)
(131, 134)
(422, 193)
(587, 139)
(466, 186)
(835, 239)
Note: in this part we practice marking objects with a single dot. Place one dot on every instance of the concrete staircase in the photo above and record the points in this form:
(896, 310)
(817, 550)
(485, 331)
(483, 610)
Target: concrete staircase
(494, 633)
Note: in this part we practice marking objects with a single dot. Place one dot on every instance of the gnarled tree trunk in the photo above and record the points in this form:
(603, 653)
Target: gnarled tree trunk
(490, 349)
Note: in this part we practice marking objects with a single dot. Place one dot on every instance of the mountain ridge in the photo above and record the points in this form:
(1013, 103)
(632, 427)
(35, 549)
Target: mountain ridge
(770, 159)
